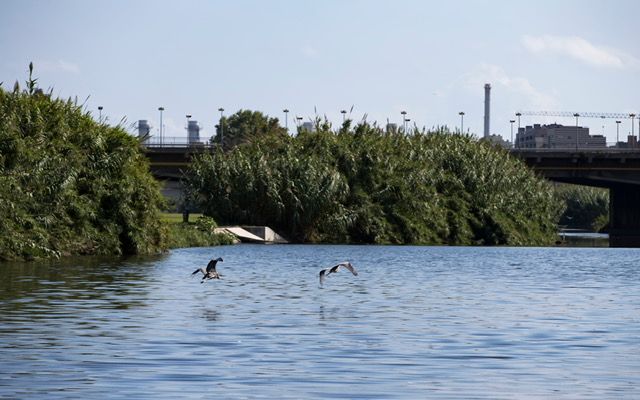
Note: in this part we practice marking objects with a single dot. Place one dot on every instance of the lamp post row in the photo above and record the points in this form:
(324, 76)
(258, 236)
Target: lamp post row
(404, 123)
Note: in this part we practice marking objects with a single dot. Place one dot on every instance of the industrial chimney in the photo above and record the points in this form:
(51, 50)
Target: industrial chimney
(193, 130)
(144, 130)
(487, 109)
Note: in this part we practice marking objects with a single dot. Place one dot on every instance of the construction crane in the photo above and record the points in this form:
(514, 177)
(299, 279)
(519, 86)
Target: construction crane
(617, 116)
(577, 114)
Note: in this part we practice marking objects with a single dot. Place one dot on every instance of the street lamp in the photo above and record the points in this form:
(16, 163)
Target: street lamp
(100, 112)
(298, 121)
(405, 122)
(617, 132)
(632, 116)
(161, 109)
(286, 119)
(518, 114)
(511, 121)
(404, 113)
(576, 115)
(461, 114)
(188, 118)
(221, 128)
(344, 115)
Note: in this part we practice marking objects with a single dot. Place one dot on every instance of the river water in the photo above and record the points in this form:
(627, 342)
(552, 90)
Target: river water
(417, 322)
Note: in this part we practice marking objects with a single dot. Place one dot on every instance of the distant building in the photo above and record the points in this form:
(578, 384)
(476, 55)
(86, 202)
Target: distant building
(392, 127)
(631, 143)
(308, 126)
(557, 136)
(498, 141)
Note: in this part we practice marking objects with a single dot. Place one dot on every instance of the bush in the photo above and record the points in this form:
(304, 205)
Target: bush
(364, 185)
(70, 185)
(199, 234)
(584, 207)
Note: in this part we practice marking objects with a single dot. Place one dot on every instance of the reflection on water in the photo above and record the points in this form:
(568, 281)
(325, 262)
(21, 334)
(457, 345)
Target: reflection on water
(581, 238)
(417, 322)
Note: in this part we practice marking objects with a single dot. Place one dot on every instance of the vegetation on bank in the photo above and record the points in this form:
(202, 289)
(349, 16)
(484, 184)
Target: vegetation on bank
(364, 185)
(200, 233)
(585, 207)
(71, 185)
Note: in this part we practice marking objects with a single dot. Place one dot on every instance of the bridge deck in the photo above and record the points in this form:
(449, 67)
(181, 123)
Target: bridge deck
(597, 167)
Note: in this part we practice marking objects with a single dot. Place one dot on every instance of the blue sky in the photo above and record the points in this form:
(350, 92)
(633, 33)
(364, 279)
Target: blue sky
(428, 58)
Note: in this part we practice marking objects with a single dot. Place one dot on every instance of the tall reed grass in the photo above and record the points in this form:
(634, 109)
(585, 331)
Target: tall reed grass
(364, 185)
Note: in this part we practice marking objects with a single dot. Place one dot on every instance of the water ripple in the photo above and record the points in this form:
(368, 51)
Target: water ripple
(448, 323)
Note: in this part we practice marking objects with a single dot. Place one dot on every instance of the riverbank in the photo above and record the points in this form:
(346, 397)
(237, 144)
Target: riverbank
(200, 231)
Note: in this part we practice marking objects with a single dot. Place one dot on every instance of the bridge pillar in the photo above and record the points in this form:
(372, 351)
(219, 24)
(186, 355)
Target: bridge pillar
(624, 216)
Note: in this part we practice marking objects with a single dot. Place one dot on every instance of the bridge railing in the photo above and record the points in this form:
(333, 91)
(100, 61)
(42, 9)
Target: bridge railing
(176, 141)
(183, 141)
(610, 146)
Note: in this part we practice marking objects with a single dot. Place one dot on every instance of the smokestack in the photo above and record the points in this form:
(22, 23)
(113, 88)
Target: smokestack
(144, 129)
(487, 108)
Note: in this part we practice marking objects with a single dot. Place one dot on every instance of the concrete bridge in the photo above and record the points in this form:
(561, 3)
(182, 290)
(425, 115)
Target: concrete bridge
(615, 169)
(167, 164)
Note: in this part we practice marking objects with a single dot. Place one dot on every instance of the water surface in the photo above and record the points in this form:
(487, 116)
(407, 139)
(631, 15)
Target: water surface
(417, 322)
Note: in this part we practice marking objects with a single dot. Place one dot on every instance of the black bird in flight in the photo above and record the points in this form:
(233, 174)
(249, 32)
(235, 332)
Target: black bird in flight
(327, 271)
(210, 272)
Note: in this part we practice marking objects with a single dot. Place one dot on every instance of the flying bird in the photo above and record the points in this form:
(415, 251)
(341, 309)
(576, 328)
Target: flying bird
(210, 272)
(327, 271)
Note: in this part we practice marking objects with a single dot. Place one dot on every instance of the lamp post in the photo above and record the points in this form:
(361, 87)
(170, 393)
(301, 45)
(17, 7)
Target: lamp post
(161, 109)
(632, 116)
(577, 116)
(617, 132)
(286, 119)
(221, 128)
(344, 115)
(405, 123)
(511, 121)
(461, 114)
(518, 114)
(404, 114)
(100, 114)
(188, 116)
(298, 121)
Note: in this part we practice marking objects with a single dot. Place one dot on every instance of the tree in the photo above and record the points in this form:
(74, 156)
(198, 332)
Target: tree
(245, 126)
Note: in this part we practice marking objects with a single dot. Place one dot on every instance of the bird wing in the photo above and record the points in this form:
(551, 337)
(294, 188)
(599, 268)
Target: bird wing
(212, 266)
(198, 270)
(322, 276)
(348, 266)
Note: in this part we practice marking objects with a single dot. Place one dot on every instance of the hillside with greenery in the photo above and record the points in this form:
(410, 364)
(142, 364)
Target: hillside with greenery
(363, 185)
(70, 185)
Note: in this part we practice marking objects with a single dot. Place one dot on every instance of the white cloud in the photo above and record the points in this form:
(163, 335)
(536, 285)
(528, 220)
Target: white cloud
(581, 50)
(59, 65)
(495, 75)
